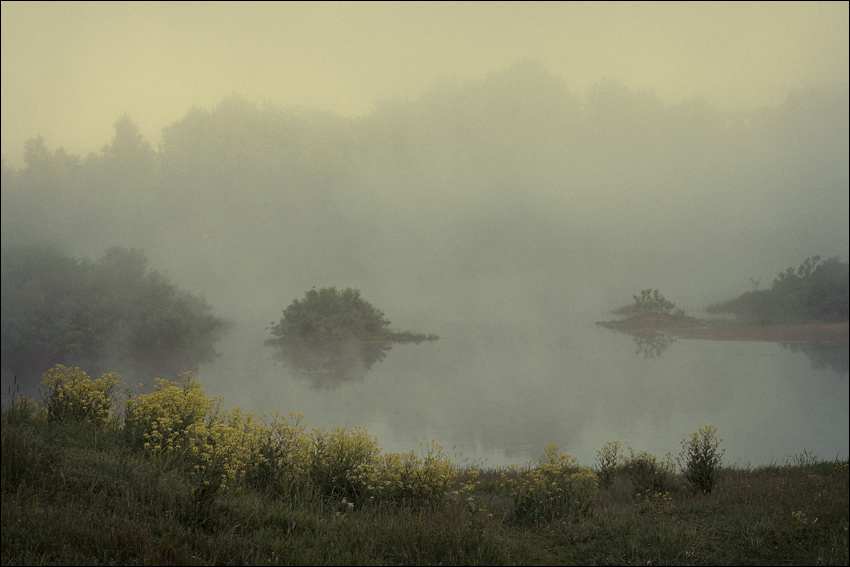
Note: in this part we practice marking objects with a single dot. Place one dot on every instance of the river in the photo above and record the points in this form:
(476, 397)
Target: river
(497, 392)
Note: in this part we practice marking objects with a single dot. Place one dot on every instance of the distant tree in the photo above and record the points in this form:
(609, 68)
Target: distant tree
(651, 302)
(817, 291)
(336, 333)
(128, 147)
(61, 310)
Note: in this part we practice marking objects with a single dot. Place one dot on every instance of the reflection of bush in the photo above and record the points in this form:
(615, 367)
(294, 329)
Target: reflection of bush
(652, 345)
(835, 357)
(334, 363)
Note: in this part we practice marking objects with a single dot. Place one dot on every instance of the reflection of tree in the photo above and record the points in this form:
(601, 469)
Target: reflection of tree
(329, 365)
(652, 344)
(833, 356)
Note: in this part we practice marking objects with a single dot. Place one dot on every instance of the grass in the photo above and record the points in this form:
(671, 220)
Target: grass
(78, 494)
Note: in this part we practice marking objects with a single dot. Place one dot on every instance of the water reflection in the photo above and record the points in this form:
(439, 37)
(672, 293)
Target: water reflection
(502, 391)
(649, 343)
(330, 365)
(824, 356)
(652, 344)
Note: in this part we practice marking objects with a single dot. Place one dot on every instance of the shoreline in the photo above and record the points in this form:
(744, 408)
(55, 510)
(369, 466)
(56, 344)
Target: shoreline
(804, 333)
(811, 333)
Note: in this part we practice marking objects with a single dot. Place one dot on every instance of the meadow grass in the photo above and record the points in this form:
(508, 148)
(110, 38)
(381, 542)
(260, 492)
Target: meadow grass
(94, 491)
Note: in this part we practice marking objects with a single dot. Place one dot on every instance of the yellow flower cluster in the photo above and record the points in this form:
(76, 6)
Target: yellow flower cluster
(557, 487)
(179, 423)
(284, 453)
(165, 418)
(224, 448)
(408, 477)
(339, 458)
(181, 428)
(69, 394)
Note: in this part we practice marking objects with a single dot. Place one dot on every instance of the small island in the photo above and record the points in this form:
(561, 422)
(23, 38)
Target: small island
(332, 336)
(809, 304)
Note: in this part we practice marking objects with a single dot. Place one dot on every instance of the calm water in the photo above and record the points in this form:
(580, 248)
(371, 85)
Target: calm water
(498, 392)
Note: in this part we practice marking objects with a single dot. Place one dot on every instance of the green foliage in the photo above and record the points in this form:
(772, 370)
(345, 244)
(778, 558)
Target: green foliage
(651, 302)
(558, 487)
(408, 478)
(817, 291)
(609, 461)
(284, 455)
(70, 395)
(649, 474)
(338, 457)
(700, 459)
(335, 332)
(56, 307)
(179, 426)
(329, 317)
(162, 420)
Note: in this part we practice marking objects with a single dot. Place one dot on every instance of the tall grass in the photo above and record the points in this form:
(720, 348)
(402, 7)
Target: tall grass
(84, 488)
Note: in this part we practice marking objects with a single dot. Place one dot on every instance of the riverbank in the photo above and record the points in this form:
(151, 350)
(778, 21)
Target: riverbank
(76, 494)
(816, 333)
(691, 328)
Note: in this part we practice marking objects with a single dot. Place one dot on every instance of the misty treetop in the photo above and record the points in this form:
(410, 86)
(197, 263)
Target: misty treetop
(335, 332)
(512, 174)
(60, 309)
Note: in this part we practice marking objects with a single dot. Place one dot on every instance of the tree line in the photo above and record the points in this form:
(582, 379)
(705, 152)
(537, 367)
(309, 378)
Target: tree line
(817, 291)
(113, 311)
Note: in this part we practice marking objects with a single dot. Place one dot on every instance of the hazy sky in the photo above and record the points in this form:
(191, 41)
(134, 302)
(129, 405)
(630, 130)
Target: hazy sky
(71, 69)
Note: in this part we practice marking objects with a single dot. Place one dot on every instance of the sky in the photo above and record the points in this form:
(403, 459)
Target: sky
(71, 69)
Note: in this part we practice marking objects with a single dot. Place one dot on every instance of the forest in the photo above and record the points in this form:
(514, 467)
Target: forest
(510, 197)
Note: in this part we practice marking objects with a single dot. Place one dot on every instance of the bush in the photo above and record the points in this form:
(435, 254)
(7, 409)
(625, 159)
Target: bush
(333, 335)
(338, 457)
(557, 488)
(817, 291)
(284, 455)
(69, 394)
(222, 450)
(651, 302)
(608, 461)
(180, 427)
(408, 478)
(162, 420)
(700, 459)
(649, 475)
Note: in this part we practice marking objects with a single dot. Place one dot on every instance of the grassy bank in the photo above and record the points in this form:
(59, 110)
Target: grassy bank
(91, 486)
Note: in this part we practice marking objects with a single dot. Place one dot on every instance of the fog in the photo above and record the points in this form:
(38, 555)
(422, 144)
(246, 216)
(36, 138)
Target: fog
(70, 69)
(502, 175)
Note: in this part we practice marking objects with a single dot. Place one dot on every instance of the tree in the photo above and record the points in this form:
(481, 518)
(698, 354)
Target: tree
(334, 334)
(113, 312)
(651, 302)
(817, 291)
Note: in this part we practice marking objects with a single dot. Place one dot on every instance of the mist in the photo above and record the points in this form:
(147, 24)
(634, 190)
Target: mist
(505, 209)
